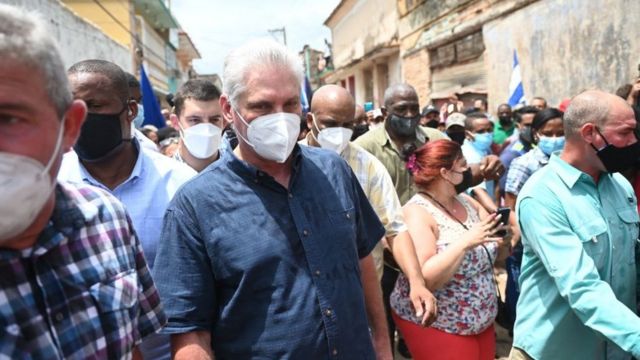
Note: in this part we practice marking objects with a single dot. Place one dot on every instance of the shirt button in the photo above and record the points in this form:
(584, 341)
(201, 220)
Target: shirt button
(290, 196)
(59, 317)
(328, 312)
(305, 232)
(348, 216)
(317, 272)
(335, 352)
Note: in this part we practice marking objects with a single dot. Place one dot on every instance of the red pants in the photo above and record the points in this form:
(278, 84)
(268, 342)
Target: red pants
(432, 344)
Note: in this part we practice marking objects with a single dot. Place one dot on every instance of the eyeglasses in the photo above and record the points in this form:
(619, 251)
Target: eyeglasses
(168, 141)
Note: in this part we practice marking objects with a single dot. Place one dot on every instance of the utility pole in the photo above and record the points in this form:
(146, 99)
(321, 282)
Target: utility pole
(281, 30)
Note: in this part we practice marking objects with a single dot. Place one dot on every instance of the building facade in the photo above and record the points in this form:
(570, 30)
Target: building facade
(365, 48)
(77, 38)
(153, 36)
(465, 47)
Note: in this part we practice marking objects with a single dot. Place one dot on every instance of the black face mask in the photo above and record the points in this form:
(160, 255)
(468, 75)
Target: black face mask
(433, 123)
(467, 179)
(505, 121)
(359, 130)
(526, 136)
(403, 126)
(617, 159)
(100, 136)
(457, 136)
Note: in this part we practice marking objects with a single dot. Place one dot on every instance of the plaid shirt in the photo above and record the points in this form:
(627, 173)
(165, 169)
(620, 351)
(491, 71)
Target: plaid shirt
(84, 290)
(522, 168)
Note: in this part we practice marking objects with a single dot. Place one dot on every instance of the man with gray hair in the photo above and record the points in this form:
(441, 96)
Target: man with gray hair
(579, 226)
(266, 253)
(75, 283)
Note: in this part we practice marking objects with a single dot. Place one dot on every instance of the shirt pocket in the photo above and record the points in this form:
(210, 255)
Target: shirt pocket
(595, 240)
(629, 221)
(344, 236)
(117, 302)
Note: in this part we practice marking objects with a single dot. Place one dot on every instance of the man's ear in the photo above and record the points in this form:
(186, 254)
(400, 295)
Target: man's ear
(73, 120)
(174, 121)
(132, 111)
(227, 109)
(309, 118)
(588, 132)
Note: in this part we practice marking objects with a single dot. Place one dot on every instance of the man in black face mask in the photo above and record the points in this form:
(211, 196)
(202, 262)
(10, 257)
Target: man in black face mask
(579, 226)
(107, 156)
(390, 144)
(505, 126)
(520, 145)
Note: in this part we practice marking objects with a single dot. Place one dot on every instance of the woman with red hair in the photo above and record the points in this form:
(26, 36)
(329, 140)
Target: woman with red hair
(456, 244)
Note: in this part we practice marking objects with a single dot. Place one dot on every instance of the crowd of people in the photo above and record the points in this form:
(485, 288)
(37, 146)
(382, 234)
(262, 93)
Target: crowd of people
(245, 229)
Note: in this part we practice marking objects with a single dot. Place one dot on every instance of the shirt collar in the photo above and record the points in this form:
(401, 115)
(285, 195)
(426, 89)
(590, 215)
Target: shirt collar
(247, 170)
(540, 156)
(567, 173)
(137, 172)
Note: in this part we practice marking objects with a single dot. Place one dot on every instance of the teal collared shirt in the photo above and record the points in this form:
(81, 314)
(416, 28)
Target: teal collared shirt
(578, 277)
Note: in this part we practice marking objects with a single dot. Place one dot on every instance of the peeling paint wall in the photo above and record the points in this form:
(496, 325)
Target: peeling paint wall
(366, 26)
(77, 39)
(564, 46)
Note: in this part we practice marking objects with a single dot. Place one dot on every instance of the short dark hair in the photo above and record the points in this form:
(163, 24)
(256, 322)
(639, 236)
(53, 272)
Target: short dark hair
(468, 123)
(528, 109)
(196, 89)
(132, 81)
(111, 71)
(545, 115)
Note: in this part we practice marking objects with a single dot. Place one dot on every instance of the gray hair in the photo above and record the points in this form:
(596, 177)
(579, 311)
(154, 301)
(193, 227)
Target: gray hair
(253, 54)
(24, 38)
(587, 107)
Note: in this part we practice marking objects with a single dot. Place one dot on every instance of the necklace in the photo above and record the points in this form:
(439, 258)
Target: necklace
(443, 208)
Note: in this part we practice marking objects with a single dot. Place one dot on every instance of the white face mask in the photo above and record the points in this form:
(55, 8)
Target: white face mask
(333, 138)
(26, 187)
(202, 140)
(272, 136)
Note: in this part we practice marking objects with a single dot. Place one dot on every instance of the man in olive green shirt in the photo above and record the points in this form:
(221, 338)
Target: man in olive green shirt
(394, 142)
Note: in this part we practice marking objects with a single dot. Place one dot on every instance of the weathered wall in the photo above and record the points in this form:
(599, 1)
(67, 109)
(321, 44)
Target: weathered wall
(416, 72)
(77, 39)
(564, 46)
(367, 25)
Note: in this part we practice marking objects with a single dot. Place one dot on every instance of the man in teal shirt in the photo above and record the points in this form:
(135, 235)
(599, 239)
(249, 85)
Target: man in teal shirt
(579, 229)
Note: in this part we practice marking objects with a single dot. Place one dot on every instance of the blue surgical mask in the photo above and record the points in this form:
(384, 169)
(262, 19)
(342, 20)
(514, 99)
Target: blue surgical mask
(482, 142)
(549, 145)
(139, 119)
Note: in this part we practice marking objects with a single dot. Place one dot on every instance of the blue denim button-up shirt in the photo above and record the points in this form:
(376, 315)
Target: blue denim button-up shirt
(578, 278)
(272, 272)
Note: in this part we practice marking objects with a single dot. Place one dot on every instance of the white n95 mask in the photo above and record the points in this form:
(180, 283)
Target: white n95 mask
(272, 136)
(202, 140)
(333, 138)
(25, 187)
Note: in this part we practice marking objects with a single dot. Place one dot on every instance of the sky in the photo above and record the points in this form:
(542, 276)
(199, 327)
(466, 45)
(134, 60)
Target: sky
(216, 26)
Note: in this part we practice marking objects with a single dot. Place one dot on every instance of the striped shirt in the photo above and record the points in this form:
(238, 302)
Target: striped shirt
(84, 290)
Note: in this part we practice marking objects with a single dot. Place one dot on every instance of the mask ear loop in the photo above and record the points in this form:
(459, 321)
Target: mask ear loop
(313, 116)
(238, 132)
(603, 138)
(56, 150)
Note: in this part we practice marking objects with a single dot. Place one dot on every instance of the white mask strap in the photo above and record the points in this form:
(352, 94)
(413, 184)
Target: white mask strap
(56, 150)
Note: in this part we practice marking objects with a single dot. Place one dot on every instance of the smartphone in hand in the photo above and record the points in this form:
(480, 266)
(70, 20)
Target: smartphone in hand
(503, 214)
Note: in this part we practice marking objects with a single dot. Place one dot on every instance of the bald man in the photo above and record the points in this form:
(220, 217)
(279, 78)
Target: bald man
(579, 226)
(331, 120)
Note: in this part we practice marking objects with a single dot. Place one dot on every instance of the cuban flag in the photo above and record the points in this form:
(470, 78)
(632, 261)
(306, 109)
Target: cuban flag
(152, 114)
(516, 91)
